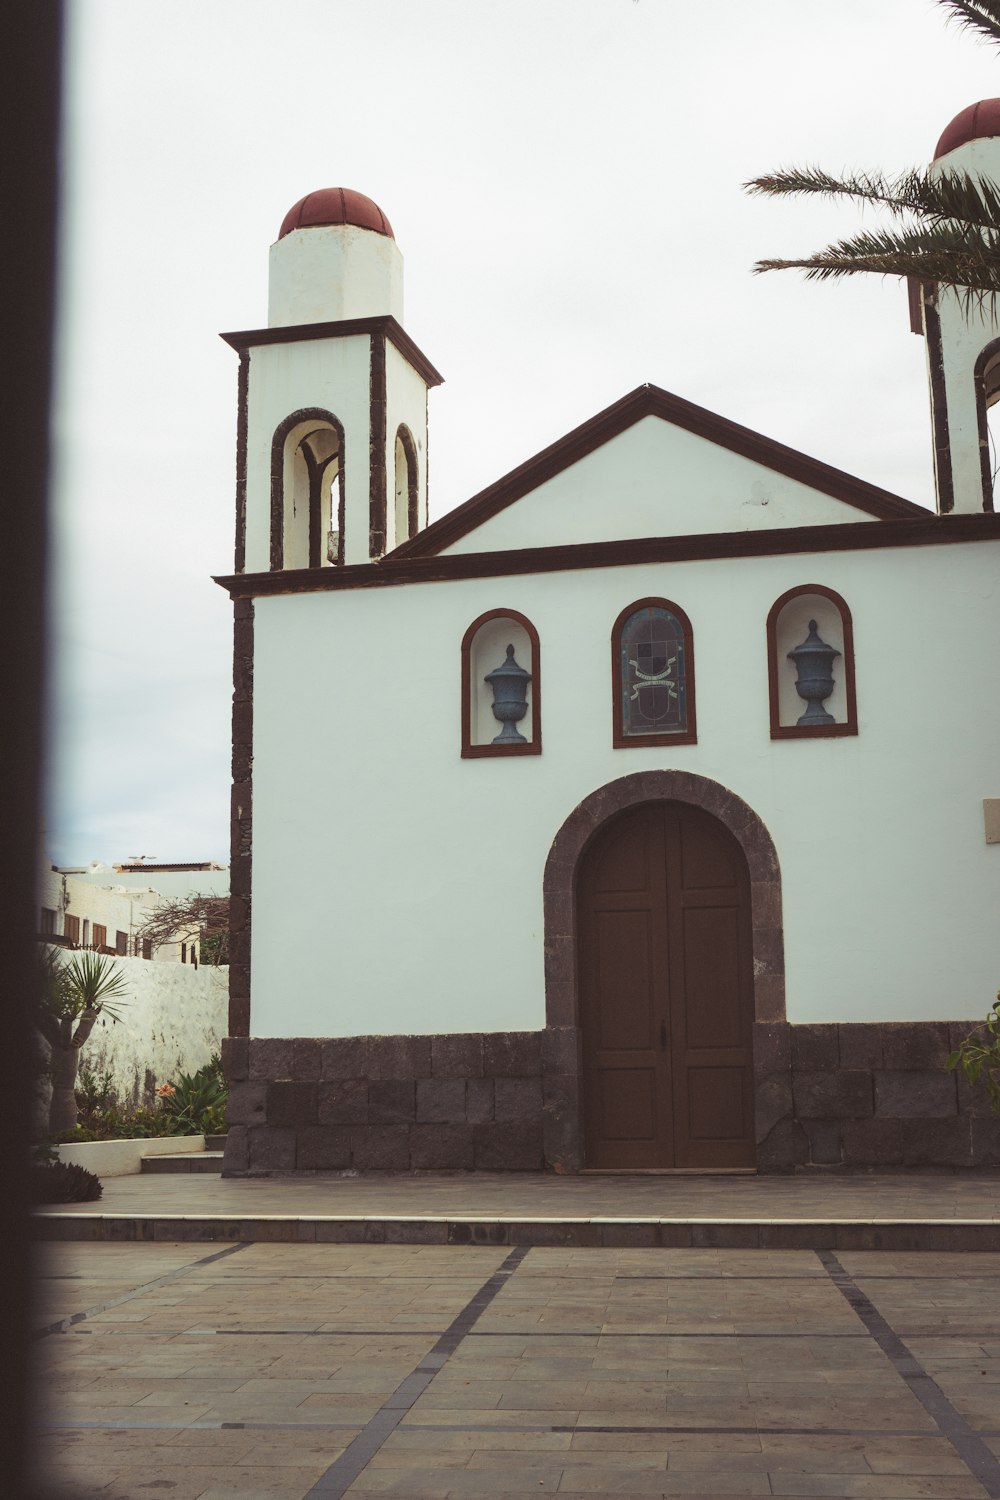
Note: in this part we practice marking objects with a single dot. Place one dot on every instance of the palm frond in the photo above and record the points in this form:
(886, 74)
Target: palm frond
(982, 16)
(968, 262)
(932, 196)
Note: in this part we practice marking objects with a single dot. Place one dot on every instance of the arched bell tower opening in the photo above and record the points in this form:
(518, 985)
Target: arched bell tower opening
(407, 492)
(307, 491)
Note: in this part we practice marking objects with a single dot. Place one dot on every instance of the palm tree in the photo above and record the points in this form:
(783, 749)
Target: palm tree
(945, 226)
(75, 992)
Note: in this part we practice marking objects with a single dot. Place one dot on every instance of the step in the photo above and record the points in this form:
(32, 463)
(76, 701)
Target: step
(186, 1161)
(597, 1233)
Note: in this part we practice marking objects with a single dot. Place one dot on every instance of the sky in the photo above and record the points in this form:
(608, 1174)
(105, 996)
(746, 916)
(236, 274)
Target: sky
(564, 181)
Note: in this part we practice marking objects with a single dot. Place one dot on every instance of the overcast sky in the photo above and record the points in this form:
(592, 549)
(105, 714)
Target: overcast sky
(564, 180)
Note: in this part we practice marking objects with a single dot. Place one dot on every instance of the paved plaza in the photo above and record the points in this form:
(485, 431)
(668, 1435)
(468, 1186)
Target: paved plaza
(228, 1371)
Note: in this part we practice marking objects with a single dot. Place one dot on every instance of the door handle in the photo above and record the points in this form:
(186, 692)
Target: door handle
(664, 1043)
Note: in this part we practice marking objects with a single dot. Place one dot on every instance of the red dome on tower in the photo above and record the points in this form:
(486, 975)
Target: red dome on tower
(335, 206)
(974, 123)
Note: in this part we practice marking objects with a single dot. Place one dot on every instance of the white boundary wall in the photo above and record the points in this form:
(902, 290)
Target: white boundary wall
(174, 1020)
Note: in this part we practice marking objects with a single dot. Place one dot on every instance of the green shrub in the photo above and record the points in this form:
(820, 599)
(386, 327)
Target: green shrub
(64, 1182)
(74, 1135)
(103, 1118)
(197, 1102)
(978, 1056)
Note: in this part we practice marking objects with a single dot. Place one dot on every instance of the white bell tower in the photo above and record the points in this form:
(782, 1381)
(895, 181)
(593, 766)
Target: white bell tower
(332, 423)
(963, 347)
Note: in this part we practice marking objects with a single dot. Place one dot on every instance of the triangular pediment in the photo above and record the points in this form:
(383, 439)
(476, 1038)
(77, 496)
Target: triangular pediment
(654, 465)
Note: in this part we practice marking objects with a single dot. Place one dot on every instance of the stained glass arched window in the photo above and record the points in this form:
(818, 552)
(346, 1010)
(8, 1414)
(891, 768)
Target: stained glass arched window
(652, 656)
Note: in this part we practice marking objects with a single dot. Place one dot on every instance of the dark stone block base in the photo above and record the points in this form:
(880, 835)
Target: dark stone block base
(868, 1096)
(847, 1097)
(494, 1101)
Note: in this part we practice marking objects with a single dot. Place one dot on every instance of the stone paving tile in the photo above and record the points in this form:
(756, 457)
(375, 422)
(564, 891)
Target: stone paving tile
(542, 1357)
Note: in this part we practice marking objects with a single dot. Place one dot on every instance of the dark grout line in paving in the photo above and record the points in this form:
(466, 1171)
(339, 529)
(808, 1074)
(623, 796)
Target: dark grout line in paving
(358, 1455)
(63, 1324)
(665, 1333)
(968, 1444)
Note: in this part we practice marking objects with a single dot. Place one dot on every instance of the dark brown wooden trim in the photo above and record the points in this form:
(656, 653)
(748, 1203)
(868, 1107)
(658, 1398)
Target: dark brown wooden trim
(277, 550)
(534, 745)
(242, 428)
(943, 475)
(646, 401)
(559, 884)
(929, 531)
(377, 437)
(405, 437)
(241, 820)
(619, 739)
(344, 328)
(781, 731)
(427, 460)
(987, 354)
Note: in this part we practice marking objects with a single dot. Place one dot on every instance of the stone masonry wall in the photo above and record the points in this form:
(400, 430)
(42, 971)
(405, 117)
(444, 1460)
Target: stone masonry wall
(503, 1101)
(868, 1096)
(840, 1096)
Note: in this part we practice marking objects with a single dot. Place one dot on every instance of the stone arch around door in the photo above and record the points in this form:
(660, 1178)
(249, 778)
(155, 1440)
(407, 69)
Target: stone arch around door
(563, 1095)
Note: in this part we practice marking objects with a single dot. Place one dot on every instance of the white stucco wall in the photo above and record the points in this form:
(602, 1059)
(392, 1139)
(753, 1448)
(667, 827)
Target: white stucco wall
(655, 479)
(332, 374)
(173, 1019)
(416, 902)
(327, 272)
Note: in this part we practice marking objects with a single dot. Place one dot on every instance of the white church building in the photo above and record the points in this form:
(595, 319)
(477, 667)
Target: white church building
(643, 812)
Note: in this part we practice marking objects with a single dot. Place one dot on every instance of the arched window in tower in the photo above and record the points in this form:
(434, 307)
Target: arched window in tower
(501, 686)
(307, 491)
(987, 377)
(810, 665)
(652, 667)
(407, 490)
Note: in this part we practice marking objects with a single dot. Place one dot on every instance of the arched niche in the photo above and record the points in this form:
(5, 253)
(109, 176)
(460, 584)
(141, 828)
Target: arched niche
(987, 380)
(788, 627)
(407, 487)
(307, 490)
(652, 673)
(484, 648)
(560, 880)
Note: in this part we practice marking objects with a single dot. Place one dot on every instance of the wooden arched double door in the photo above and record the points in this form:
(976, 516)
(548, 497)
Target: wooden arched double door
(666, 992)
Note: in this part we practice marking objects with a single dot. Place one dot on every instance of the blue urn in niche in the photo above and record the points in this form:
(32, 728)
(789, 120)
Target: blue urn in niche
(814, 660)
(510, 698)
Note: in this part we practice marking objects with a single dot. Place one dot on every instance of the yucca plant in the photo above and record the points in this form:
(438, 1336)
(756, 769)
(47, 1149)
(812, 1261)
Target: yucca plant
(73, 995)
